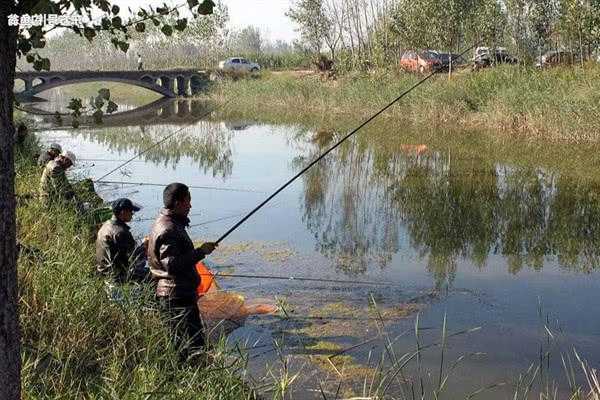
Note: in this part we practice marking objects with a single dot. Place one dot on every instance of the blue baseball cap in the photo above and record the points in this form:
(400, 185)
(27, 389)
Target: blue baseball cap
(124, 204)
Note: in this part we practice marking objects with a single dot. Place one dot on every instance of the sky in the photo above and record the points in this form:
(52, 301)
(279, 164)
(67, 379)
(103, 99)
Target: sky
(267, 15)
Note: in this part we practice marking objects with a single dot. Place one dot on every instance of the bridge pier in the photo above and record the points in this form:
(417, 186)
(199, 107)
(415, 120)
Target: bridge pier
(183, 84)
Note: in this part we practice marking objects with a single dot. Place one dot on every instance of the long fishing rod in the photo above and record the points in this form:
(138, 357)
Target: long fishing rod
(163, 185)
(413, 87)
(159, 142)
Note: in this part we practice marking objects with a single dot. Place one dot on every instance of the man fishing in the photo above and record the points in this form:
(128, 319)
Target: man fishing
(54, 184)
(172, 258)
(53, 151)
(115, 245)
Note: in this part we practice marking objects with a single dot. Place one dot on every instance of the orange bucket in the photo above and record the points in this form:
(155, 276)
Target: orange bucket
(207, 279)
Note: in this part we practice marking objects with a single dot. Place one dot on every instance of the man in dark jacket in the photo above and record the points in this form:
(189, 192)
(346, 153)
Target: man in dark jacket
(172, 258)
(115, 244)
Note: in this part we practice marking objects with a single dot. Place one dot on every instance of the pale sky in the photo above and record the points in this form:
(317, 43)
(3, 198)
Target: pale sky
(267, 15)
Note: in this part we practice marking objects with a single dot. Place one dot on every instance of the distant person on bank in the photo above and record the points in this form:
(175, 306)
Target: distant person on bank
(116, 250)
(172, 258)
(54, 185)
(139, 62)
(53, 151)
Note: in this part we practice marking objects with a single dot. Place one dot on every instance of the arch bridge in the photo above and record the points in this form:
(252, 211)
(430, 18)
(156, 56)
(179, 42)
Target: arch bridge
(169, 83)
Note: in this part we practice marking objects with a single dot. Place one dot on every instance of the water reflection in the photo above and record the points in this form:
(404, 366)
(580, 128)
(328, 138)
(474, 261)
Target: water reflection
(161, 111)
(359, 201)
(205, 143)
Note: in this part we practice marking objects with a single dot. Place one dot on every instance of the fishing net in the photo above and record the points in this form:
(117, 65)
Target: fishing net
(222, 311)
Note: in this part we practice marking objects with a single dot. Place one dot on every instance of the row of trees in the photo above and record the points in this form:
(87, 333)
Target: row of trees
(379, 30)
(203, 43)
(355, 34)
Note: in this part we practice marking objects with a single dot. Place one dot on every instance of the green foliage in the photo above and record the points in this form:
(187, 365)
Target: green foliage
(550, 104)
(78, 342)
(314, 24)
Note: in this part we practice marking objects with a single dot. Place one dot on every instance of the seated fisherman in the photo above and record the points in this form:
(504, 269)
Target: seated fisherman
(115, 245)
(172, 258)
(53, 151)
(54, 185)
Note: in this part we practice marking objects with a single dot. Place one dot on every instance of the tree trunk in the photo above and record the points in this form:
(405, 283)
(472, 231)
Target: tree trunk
(10, 359)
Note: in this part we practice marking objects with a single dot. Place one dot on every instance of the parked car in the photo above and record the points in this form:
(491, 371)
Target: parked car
(420, 61)
(555, 57)
(485, 57)
(445, 58)
(238, 64)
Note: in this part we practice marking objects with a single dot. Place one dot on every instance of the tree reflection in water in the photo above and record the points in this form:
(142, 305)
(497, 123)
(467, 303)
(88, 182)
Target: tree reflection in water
(207, 144)
(361, 198)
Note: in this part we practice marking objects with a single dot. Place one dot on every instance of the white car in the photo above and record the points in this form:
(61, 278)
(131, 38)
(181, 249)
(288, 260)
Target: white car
(238, 64)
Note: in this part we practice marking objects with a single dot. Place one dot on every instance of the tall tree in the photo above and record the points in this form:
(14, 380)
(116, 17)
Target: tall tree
(16, 42)
(542, 20)
(314, 24)
(249, 40)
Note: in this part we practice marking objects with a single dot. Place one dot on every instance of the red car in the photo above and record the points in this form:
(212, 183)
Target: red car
(421, 61)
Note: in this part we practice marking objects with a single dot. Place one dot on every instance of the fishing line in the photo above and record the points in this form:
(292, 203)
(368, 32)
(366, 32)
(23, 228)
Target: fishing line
(160, 142)
(419, 83)
(103, 159)
(153, 218)
(224, 218)
(164, 185)
(306, 279)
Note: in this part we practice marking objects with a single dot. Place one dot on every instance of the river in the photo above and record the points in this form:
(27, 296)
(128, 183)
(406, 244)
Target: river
(497, 239)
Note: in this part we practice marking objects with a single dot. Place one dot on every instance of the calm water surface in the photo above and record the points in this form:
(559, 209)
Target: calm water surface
(505, 246)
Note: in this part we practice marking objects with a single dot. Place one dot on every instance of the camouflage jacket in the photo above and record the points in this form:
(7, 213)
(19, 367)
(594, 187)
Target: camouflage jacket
(172, 258)
(54, 184)
(44, 159)
(115, 246)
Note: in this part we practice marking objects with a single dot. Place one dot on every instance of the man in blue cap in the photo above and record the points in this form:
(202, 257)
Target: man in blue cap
(115, 244)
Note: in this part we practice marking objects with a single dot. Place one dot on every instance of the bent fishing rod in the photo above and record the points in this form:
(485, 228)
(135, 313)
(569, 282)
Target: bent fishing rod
(336, 145)
(159, 142)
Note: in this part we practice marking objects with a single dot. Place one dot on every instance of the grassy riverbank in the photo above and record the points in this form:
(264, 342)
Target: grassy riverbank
(77, 343)
(561, 104)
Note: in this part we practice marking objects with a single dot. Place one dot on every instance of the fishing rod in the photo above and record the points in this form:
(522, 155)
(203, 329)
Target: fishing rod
(163, 185)
(406, 92)
(159, 142)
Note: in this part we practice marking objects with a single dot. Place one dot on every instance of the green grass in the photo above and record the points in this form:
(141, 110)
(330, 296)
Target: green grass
(561, 104)
(77, 343)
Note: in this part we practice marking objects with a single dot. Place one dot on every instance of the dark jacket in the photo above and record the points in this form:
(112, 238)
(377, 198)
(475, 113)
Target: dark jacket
(114, 249)
(172, 258)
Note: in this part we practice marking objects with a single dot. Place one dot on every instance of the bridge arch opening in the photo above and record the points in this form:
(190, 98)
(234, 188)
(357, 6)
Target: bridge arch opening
(182, 84)
(166, 82)
(38, 81)
(19, 85)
